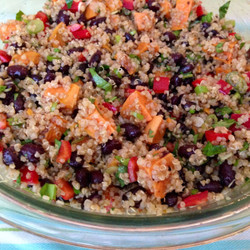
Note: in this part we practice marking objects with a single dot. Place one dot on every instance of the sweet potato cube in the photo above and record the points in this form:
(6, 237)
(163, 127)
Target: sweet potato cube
(92, 10)
(56, 37)
(114, 5)
(27, 57)
(7, 29)
(143, 47)
(143, 21)
(128, 63)
(166, 8)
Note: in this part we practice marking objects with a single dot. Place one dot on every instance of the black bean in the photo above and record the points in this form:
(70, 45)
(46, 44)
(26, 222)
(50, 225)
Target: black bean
(182, 176)
(64, 69)
(154, 146)
(95, 59)
(17, 46)
(205, 26)
(9, 94)
(82, 19)
(49, 77)
(176, 100)
(129, 37)
(212, 186)
(95, 195)
(151, 67)
(17, 72)
(44, 181)
(78, 49)
(187, 68)
(175, 82)
(188, 105)
(109, 31)
(63, 17)
(29, 150)
(73, 163)
(83, 66)
(19, 103)
(96, 177)
(36, 78)
(153, 5)
(10, 156)
(74, 113)
(188, 81)
(108, 147)
(170, 199)
(97, 21)
(1, 135)
(227, 175)
(83, 177)
(116, 79)
(169, 37)
(136, 81)
(178, 59)
(184, 129)
(187, 150)
(131, 131)
(211, 33)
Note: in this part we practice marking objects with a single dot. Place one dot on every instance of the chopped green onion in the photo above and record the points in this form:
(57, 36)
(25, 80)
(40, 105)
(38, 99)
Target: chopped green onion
(121, 170)
(245, 146)
(18, 180)
(236, 163)
(242, 45)
(117, 39)
(50, 58)
(151, 83)
(237, 81)
(201, 89)
(53, 107)
(19, 15)
(57, 50)
(229, 24)
(238, 37)
(207, 18)
(118, 73)
(168, 68)
(14, 122)
(225, 123)
(26, 142)
(78, 140)
(177, 32)
(77, 78)
(224, 111)
(247, 180)
(35, 26)
(2, 88)
(137, 115)
(187, 75)
(194, 191)
(49, 190)
(100, 82)
(110, 99)
(126, 12)
(118, 129)
(123, 161)
(151, 133)
(176, 147)
(192, 111)
(6, 41)
(212, 150)
(219, 47)
(196, 138)
(76, 191)
(66, 132)
(223, 9)
(92, 100)
(132, 32)
(58, 144)
(15, 96)
(69, 3)
(135, 57)
(213, 117)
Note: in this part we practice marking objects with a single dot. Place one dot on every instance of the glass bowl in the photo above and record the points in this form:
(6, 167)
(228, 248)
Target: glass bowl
(71, 226)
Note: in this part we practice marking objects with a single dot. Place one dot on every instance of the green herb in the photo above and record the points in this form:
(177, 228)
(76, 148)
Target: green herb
(57, 50)
(14, 122)
(100, 82)
(66, 132)
(69, 3)
(194, 191)
(236, 163)
(176, 147)
(212, 150)
(26, 142)
(238, 37)
(247, 180)
(207, 18)
(213, 117)
(50, 58)
(49, 190)
(218, 163)
(58, 144)
(76, 191)
(228, 25)
(177, 32)
(151, 83)
(18, 180)
(224, 111)
(2, 88)
(192, 111)
(135, 57)
(137, 115)
(117, 39)
(15, 96)
(78, 140)
(118, 129)
(194, 57)
(132, 32)
(121, 170)
(225, 123)
(168, 68)
(242, 45)
(196, 138)
(19, 15)
(35, 26)
(187, 75)
(126, 12)
(110, 99)
(151, 133)
(245, 146)
(118, 73)
(219, 47)
(223, 9)
(92, 100)
(6, 41)
(53, 107)
(77, 78)
(201, 89)
(123, 161)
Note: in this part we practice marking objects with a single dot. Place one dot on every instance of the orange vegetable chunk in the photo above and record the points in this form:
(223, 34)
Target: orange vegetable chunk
(27, 57)
(56, 37)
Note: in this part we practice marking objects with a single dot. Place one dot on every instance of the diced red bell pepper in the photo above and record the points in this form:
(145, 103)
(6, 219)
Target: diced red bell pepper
(75, 27)
(236, 117)
(64, 153)
(248, 74)
(225, 87)
(4, 57)
(196, 199)
(29, 177)
(199, 11)
(128, 4)
(232, 34)
(111, 107)
(197, 82)
(133, 169)
(81, 34)
(66, 188)
(3, 121)
(1, 148)
(42, 16)
(161, 84)
(82, 58)
(212, 136)
(74, 8)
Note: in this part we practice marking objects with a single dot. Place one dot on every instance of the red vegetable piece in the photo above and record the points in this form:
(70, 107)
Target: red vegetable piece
(3, 121)
(42, 16)
(29, 177)
(66, 188)
(128, 4)
(225, 87)
(74, 8)
(133, 169)
(110, 107)
(196, 199)
(4, 57)
(197, 82)
(161, 84)
(81, 58)
(1, 148)
(75, 27)
(236, 117)
(81, 34)
(199, 11)
(248, 74)
(232, 34)
(64, 153)
(212, 136)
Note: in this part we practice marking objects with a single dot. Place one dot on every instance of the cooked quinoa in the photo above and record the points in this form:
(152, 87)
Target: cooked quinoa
(125, 107)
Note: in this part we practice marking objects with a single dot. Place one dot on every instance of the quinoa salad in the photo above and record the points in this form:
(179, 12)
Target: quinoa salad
(125, 106)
